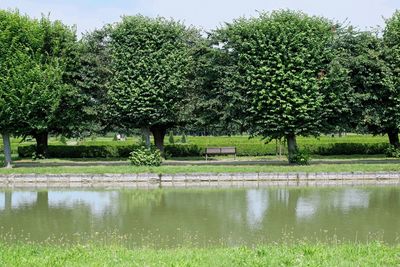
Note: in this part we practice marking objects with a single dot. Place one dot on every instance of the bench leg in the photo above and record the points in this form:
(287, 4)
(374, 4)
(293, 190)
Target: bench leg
(206, 157)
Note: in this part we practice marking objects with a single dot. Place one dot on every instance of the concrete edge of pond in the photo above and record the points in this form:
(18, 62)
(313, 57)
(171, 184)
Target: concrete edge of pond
(152, 180)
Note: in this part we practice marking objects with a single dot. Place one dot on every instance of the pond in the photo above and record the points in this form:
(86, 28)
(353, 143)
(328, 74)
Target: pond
(201, 217)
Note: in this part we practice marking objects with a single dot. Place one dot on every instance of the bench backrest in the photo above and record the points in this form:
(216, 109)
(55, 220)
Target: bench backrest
(221, 150)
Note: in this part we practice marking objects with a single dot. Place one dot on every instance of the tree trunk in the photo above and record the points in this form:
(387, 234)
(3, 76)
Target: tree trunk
(146, 134)
(8, 200)
(159, 134)
(292, 145)
(7, 150)
(42, 145)
(394, 138)
(42, 199)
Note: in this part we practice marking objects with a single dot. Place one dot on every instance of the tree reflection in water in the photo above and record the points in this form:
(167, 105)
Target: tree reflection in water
(204, 216)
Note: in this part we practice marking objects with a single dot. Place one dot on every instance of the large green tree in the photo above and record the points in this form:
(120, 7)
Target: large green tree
(44, 89)
(18, 41)
(92, 73)
(374, 100)
(212, 105)
(151, 65)
(391, 117)
(57, 104)
(281, 63)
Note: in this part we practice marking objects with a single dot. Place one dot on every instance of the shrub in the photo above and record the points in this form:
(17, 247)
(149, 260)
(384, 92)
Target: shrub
(105, 151)
(349, 149)
(81, 151)
(36, 156)
(63, 140)
(183, 139)
(301, 157)
(393, 152)
(171, 137)
(182, 150)
(145, 157)
(26, 151)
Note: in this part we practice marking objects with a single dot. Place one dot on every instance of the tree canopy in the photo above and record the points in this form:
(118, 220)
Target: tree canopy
(151, 63)
(281, 59)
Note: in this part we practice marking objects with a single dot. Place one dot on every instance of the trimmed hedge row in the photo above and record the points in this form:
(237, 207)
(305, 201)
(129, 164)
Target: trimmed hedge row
(104, 151)
(350, 149)
(190, 150)
(315, 149)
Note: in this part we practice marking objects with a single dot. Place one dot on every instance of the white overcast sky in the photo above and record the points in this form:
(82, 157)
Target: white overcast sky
(207, 14)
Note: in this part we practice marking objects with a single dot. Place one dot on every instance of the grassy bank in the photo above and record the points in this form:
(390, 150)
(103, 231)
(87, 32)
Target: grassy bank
(374, 254)
(374, 167)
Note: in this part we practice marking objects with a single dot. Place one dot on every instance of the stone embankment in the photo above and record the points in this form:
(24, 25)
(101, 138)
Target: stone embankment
(197, 180)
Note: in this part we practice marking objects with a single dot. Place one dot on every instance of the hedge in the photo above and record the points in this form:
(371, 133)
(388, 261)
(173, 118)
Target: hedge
(190, 150)
(104, 151)
(350, 149)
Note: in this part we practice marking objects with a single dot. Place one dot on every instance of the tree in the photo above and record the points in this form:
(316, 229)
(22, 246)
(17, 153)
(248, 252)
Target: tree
(281, 59)
(59, 104)
(17, 42)
(375, 100)
(92, 75)
(212, 105)
(391, 40)
(151, 62)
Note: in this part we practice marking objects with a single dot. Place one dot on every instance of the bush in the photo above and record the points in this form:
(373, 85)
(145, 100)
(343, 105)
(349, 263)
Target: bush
(145, 157)
(393, 152)
(63, 140)
(349, 149)
(171, 138)
(182, 150)
(81, 151)
(301, 157)
(105, 151)
(183, 139)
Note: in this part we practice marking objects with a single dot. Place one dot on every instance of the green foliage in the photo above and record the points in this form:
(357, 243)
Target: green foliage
(183, 150)
(105, 151)
(81, 151)
(36, 156)
(63, 140)
(212, 107)
(278, 59)
(171, 137)
(145, 157)
(92, 75)
(300, 157)
(183, 139)
(393, 152)
(151, 61)
(18, 39)
(374, 97)
(349, 149)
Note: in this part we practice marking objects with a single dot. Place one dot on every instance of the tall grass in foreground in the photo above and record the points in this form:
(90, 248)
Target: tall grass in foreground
(373, 254)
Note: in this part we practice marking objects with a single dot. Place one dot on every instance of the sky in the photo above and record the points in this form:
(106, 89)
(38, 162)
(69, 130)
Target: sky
(207, 14)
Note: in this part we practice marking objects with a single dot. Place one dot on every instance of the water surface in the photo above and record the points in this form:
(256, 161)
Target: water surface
(202, 217)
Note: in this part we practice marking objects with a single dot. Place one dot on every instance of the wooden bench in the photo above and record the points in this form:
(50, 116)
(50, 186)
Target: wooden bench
(220, 151)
